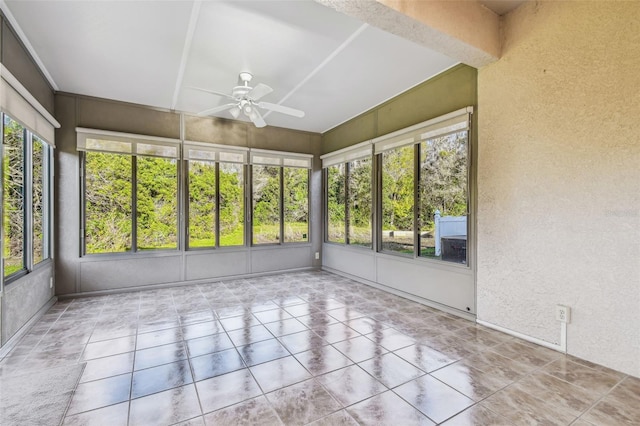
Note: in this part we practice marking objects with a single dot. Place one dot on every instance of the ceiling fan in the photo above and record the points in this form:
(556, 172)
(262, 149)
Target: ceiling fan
(246, 100)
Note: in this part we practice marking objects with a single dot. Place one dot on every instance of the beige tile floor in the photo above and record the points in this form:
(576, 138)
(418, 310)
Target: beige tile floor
(307, 348)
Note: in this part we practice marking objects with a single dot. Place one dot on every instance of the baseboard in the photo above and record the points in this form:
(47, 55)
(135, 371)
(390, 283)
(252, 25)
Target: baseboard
(560, 347)
(181, 283)
(13, 341)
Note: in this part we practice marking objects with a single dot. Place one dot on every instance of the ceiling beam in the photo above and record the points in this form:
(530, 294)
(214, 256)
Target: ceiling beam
(463, 30)
(191, 29)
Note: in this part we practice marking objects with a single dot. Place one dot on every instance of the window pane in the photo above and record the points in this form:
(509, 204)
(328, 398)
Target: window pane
(157, 203)
(202, 204)
(107, 202)
(336, 203)
(158, 150)
(107, 145)
(397, 200)
(359, 203)
(13, 188)
(266, 204)
(231, 204)
(296, 205)
(40, 202)
(443, 198)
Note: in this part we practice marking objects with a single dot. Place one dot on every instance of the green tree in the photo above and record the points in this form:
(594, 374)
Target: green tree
(157, 203)
(443, 178)
(336, 202)
(107, 202)
(13, 193)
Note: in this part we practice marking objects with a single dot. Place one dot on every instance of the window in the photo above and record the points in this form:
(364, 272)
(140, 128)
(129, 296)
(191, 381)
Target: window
(231, 204)
(443, 197)
(266, 204)
(26, 184)
(280, 197)
(216, 195)
(156, 203)
(348, 177)
(398, 200)
(359, 202)
(202, 204)
(40, 199)
(108, 197)
(296, 204)
(14, 220)
(425, 187)
(130, 192)
(336, 203)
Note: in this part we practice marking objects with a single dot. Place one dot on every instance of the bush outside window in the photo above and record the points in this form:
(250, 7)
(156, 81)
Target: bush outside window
(349, 202)
(280, 204)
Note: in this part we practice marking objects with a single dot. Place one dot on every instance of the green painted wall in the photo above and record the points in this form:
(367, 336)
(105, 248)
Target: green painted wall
(18, 61)
(451, 90)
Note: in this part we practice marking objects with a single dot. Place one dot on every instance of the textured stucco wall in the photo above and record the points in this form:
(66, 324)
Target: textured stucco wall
(559, 178)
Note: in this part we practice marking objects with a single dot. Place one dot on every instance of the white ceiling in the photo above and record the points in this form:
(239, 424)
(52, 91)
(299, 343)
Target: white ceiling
(329, 65)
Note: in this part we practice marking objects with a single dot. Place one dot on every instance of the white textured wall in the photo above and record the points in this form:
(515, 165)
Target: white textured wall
(559, 178)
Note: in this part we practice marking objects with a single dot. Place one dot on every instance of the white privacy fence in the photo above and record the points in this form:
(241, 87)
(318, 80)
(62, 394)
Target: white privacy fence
(446, 226)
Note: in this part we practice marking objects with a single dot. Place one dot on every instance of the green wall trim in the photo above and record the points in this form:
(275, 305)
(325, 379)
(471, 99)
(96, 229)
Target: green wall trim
(448, 91)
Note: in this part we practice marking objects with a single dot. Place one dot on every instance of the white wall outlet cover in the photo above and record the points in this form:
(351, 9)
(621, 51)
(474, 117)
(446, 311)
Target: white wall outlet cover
(563, 313)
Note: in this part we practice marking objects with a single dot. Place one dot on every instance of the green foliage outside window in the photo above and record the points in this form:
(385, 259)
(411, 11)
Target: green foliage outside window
(359, 202)
(349, 203)
(157, 203)
(266, 204)
(336, 203)
(13, 193)
(296, 204)
(203, 209)
(108, 188)
(39, 193)
(268, 212)
(398, 199)
(108, 202)
(442, 185)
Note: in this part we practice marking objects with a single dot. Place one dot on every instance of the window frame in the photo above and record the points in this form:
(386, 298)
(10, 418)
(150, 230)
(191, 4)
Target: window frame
(345, 156)
(28, 263)
(215, 154)
(131, 144)
(452, 123)
(444, 125)
(280, 159)
(217, 233)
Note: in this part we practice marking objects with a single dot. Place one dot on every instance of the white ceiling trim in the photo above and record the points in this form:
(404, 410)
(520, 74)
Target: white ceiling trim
(25, 40)
(193, 20)
(328, 59)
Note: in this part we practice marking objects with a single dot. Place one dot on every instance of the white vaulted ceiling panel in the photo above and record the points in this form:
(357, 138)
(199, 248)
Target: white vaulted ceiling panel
(280, 43)
(373, 68)
(127, 51)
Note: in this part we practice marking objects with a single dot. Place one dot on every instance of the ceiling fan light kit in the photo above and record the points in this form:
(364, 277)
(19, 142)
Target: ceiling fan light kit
(246, 100)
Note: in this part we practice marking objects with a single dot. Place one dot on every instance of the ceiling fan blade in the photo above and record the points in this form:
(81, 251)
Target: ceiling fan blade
(213, 92)
(281, 109)
(216, 109)
(259, 91)
(257, 119)
(235, 111)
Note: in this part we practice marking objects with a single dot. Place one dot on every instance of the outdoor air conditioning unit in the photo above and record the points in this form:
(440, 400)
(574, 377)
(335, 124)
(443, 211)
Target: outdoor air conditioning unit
(454, 248)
